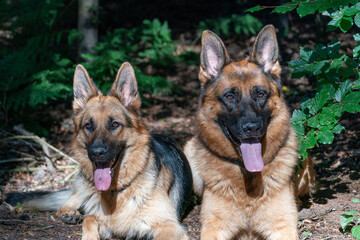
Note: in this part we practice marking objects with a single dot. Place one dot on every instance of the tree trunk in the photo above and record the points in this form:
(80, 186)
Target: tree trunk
(87, 17)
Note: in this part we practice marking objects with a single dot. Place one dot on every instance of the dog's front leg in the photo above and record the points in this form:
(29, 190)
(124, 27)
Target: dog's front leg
(169, 230)
(90, 228)
(68, 212)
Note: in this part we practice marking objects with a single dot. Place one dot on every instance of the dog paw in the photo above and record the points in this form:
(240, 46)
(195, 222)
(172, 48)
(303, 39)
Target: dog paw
(70, 216)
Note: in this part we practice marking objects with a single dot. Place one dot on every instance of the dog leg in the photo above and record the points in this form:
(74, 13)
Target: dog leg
(90, 228)
(68, 212)
(169, 230)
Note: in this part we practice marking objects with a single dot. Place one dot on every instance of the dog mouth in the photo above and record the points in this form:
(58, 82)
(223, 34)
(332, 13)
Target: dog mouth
(103, 174)
(249, 150)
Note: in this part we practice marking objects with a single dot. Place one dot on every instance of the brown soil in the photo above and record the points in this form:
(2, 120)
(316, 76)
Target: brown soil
(337, 164)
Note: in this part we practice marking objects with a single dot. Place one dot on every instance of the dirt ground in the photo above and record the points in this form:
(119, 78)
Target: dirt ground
(337, 164)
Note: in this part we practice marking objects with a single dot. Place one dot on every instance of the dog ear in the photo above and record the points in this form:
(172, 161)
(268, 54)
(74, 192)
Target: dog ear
(213, 56)
(84, 88)
(125, 87)
(265, 51)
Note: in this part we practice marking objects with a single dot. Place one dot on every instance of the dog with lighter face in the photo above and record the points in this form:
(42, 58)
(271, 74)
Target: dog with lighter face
(132, 184)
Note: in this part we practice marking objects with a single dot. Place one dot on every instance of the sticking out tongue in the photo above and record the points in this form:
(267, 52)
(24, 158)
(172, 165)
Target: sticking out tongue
(102, 178)
(251, 155)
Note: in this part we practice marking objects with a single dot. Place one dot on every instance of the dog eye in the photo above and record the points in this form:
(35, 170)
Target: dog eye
(115, 124)
(229, 96)
(260, 95)
(88, 126)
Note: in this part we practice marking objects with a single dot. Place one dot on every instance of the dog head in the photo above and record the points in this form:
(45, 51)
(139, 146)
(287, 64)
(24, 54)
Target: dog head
(240, 99)
(105, 125)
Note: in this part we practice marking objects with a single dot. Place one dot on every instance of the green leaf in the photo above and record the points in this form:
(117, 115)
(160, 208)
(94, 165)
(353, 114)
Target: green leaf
(357, 20)
(357, 37)
(355, 200)
(336, 64)
(350, 11)
(351, 102)
(356, 51)
(356, 84)
(254, 9)
(308, 105)
(333, 49)
(318, 69)
(333, 24)
(306, 8)
(310, 139)
(336, 109)
(299, 129)
(307, 54)
(285, 8)
(329, 89)
(302, 147)
(320, 100)
(321, 51)
(345, 24)
(338, 129)
(344, 88)
(296, 63)
(355, 231)
(346, 219)
(326, 127)
(326, 117)
(313, 122)
(300, 68)
(325, 137)
(298, 116)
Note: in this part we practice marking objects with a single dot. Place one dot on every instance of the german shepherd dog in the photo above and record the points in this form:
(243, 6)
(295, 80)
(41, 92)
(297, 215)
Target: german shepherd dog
(245, 151)
(132, 185)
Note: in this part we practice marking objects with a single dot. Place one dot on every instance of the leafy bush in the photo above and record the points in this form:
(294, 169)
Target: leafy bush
(337, 75)
(37, 57)
(33, 68)
(157, 39)
(239, 24)
(117, 47)
(351, 218)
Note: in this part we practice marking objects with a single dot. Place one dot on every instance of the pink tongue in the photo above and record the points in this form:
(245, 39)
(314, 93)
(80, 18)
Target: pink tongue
(102, 179)
(251, 154)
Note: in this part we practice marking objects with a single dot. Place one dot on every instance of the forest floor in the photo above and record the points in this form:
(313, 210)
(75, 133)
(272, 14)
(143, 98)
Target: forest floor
(337, 165)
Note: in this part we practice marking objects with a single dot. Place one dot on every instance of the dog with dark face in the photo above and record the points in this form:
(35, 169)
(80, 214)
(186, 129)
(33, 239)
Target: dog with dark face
(131, 184)
(245, 151)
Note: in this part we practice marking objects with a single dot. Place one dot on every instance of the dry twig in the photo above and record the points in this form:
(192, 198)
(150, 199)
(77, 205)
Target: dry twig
(38, 139)
(49, 163)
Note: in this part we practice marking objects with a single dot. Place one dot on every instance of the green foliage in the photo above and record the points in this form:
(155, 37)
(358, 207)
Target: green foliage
(33, 68)
(239, 24)
(351, 218)
(120, 46)
(37, 59)
(157, 39)
(337, 75)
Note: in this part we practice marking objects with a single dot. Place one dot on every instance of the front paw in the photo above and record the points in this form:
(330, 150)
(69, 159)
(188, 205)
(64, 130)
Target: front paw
(69, 216)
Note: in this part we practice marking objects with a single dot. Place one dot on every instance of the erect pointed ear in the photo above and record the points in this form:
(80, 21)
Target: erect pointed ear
(213, 56)
(265, 51)
(125, 87)
(84, 88)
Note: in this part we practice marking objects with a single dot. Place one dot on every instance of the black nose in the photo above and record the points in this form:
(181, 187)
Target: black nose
(252, 129)
(98, 153)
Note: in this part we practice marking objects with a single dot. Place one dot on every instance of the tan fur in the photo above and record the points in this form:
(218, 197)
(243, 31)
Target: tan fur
(237, 204)
(137, 202)
(305, 178)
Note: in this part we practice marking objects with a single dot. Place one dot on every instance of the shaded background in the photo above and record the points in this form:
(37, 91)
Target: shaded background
(42, 41)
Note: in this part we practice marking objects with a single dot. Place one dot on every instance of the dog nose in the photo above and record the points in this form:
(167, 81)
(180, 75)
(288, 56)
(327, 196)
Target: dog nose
(98, 153)
(252, 129)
